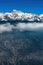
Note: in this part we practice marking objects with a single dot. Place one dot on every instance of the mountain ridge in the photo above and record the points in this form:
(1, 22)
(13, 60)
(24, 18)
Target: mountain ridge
(20, 16)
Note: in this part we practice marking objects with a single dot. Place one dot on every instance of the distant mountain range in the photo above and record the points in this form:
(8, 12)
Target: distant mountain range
(20, 16)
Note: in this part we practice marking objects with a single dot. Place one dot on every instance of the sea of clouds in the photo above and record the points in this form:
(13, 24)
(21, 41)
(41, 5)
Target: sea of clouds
(7, 27)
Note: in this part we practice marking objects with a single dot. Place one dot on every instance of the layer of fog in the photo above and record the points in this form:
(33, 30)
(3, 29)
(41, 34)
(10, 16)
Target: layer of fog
(6, 27)
(21, 27)
(29, 26)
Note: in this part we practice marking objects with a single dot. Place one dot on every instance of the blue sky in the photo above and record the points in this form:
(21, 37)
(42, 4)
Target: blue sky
(31, 6)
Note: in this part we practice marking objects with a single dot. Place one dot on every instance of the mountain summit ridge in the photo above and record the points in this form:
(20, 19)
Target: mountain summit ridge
(19, 15)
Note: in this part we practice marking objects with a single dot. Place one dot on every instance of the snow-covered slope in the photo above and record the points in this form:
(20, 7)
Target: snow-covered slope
(18, 15)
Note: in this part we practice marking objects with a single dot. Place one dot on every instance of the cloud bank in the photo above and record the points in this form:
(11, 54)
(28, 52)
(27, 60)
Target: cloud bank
(18, 15)
(6, 27)
(29, 26)
(21, 27)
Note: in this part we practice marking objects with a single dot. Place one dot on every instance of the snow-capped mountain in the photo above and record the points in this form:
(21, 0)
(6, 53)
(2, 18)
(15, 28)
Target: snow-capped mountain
(18, 15)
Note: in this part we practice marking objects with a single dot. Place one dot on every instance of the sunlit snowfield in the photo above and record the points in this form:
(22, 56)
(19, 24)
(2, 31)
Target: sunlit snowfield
(21, 44)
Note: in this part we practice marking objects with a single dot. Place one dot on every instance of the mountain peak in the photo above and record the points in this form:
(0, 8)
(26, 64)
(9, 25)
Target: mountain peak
(18, 15)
